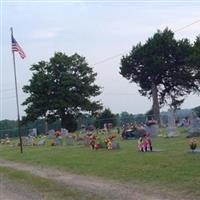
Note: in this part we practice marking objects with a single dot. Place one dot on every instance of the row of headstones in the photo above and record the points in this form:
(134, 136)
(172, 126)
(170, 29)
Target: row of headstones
(59, 141)
(193, 129)
(33, 132)
(29, 141)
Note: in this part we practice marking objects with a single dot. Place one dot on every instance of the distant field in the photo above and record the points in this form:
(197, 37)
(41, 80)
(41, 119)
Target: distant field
(173, 167)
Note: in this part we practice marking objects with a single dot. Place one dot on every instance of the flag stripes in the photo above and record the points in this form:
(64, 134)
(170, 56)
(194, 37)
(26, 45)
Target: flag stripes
(16, 48)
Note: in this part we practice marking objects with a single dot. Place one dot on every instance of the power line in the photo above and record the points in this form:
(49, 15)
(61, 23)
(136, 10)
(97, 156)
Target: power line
(107, 59)
(195, 22)
(120, 54)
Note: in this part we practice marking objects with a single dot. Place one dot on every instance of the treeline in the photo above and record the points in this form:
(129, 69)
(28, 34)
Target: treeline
(9, 127)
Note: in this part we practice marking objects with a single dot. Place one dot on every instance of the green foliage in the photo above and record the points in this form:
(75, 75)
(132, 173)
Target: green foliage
(61, 89)
(53, 190)
(125, 118)
(8, 124)
(173, 168)
(195, 61)
(105, 117)
(197, 110)
(149, 112)
(161, 69)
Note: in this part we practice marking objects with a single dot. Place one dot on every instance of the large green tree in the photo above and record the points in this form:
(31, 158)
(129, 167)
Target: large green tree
(195, 61)
(161, 69)
(61, 89)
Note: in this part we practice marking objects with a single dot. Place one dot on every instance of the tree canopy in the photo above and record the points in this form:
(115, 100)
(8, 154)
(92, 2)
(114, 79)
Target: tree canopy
(161, 69)
(105, 117)
(61, 89)
(194, 60)
(197, 110)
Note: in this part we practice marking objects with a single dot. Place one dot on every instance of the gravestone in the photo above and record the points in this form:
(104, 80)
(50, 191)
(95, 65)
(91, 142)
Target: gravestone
(171, 128)
(86, 140)
(194, 127)
(33, 132)
(58, 141)
(64, 131)
(69, 139)
(27, 141)
(115, 145)
(41, 142)
(152, 129)
(51, 134)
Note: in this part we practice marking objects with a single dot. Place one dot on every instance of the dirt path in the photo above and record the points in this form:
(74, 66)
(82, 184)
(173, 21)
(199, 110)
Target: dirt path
(109, 189)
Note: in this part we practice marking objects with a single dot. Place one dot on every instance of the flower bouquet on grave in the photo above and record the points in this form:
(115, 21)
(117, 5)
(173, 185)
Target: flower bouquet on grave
(53, 143)
(92, 141)
(97, 143)
(193, 144)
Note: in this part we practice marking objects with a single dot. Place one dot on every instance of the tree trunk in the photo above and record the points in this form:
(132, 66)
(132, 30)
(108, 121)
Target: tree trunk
(156, 108)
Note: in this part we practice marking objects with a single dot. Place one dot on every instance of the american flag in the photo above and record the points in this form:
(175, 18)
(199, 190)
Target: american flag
(17, 48)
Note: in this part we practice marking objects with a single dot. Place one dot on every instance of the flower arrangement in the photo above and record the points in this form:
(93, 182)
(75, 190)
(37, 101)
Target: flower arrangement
(193, 143)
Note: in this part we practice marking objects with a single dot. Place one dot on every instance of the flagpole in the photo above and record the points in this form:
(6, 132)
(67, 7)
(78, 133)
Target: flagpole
(17, 101)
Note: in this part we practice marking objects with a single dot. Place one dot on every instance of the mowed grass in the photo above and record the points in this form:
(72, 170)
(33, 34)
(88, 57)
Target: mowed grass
(43, 187)
(172, 168)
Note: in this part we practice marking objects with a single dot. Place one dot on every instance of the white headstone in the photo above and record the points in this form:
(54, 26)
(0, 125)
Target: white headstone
(69, 140)
(171, 129)
(33, 132)
(194, 128)
(51, 133)
(64, 131)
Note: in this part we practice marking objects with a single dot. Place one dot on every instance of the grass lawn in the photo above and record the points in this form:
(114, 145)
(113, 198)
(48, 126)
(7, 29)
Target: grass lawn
(44, 187)
(173, 168)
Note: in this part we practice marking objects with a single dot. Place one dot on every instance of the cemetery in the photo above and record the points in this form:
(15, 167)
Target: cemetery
(74, 152)
(82, 121)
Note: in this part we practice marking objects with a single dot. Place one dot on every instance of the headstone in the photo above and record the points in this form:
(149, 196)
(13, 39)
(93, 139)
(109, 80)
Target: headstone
(33, 132)
(115, 145)
(51, 134)
(64, 131)
(171, 128)
(87, 140)
(58, 141)
(194, 128)
(27, 141)
(80, 140)
(152, 129)
(69, 139)
(41, 142)
(105, 127)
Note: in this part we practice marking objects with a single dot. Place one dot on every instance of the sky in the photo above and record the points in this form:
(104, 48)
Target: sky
(96, 30)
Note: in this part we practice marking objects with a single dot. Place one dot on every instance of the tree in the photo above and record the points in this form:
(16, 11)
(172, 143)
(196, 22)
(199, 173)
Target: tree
(126, 118)
(160, 68)
(105, 117)
(197, 110)
(194, 60)
(61, 89)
